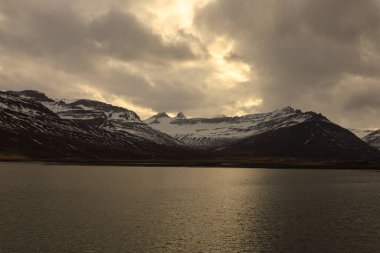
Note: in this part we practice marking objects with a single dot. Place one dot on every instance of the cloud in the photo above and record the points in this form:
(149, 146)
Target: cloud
(59, 34)
(235, 57)
(302, 49)
(122, 36)
(54, 43)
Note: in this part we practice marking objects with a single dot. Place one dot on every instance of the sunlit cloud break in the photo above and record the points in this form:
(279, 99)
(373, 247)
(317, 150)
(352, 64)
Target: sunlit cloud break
(203, 57)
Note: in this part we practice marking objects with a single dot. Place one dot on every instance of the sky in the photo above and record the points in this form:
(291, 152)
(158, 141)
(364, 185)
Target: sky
(202, 57)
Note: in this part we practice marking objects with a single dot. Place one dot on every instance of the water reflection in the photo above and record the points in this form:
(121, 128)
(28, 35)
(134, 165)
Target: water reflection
(118, 209)
(316, 211)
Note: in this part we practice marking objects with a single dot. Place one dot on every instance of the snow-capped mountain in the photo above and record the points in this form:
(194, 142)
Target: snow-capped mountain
(36, 126)
(98, 114)
(313, 138)
(30, 128)
(361, 133)
(180, 115)
(370, 136)
(222, 130)
(83, 109)
(35, 95)
(285, 132)
(373, 139)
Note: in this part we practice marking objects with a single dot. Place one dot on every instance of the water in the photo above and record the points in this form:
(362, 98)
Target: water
(51, 208)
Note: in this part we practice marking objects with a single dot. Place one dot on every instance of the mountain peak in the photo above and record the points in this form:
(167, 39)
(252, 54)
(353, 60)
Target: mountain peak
(180, 115)
(287, 109)
(161, 115)
(34, 94)
(156, 118)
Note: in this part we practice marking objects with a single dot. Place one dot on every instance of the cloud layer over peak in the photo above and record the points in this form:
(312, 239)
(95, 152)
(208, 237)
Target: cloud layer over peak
(204, 57)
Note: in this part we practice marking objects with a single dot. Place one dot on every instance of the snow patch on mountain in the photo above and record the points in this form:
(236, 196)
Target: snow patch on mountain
(23, 105)
(222, 130)
(86, 112)
(32, 94)
(373, 139)
(84, 109)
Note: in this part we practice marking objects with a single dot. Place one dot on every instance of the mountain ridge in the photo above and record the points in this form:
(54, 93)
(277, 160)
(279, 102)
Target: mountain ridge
(220, 130)
(314, 138)
(30, 128)
(373, 139)
(34, 125)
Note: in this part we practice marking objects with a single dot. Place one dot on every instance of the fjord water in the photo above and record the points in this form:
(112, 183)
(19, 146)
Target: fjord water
(58, 208)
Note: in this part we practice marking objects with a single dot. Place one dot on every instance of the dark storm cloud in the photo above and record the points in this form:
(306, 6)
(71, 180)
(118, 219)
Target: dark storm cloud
(367, 99)
(321, 55)
(122, 36)
(59, 33)
(162, 94)
(360, 94)
(302, 49)
(40, 34)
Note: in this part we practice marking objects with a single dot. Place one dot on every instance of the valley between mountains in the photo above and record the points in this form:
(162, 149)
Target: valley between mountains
(36, 127)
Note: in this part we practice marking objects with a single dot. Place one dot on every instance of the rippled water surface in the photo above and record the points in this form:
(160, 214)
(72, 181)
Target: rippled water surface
(54, 208)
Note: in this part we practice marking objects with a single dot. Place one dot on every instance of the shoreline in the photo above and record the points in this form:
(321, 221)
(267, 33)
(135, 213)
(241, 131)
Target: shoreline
(212, 164)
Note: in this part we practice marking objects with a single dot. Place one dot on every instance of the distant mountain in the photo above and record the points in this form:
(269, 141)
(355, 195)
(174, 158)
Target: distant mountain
(219, 131)
(35, 95)
(180, 115)
(79, 129)
(370, 136)
(361, 133)
(282, 133)
(373, 139)
(34, 126)
(101, 115)
(314, 138)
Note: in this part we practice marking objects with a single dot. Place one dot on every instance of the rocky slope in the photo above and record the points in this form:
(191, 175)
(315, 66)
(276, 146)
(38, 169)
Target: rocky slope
(318, 139)
(373, 139)
(370, 136)
(216, 132)
(101, 115)
(30, 128)
(35, 126)
(361, 133)
(282, 133)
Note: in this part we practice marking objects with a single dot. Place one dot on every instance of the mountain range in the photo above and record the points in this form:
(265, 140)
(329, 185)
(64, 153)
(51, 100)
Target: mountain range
(34, 126)
(222, 130)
